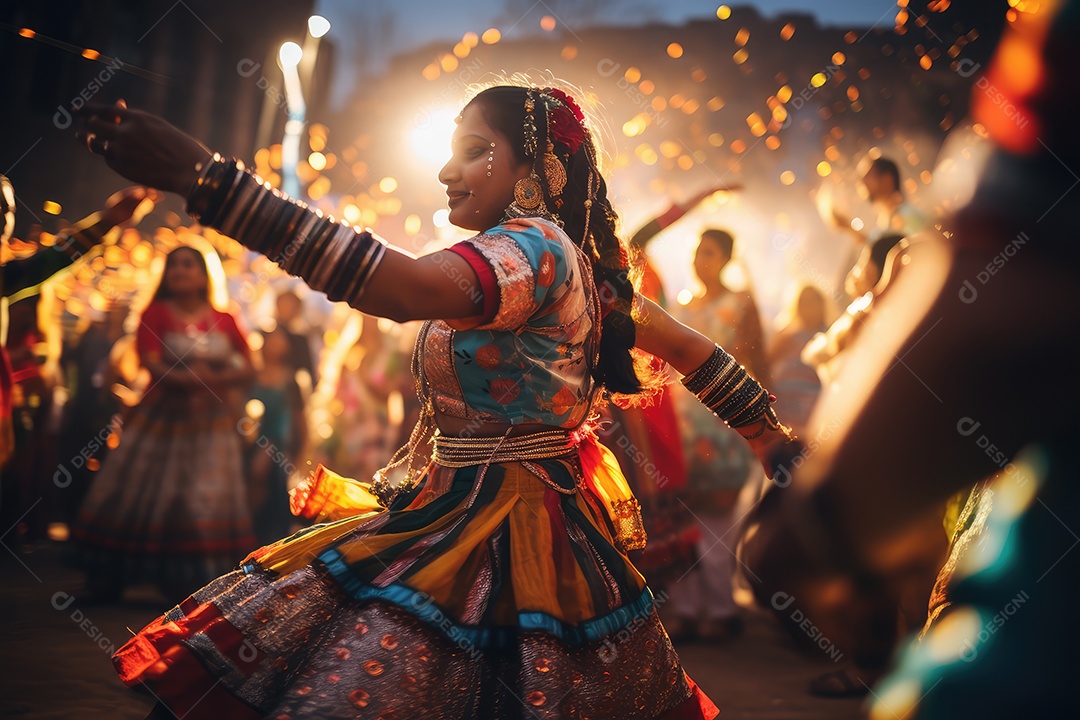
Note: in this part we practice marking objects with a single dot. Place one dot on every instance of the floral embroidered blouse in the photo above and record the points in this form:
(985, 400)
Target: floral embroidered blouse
(528, 357)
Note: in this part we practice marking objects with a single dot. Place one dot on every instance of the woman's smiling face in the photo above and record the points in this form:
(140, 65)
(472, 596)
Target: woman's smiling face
(477, 195)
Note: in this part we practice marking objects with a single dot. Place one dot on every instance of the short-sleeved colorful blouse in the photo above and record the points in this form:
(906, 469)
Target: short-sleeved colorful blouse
(528, 358)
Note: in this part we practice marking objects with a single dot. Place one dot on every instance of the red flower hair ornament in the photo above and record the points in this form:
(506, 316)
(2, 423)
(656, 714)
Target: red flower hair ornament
(566, 122)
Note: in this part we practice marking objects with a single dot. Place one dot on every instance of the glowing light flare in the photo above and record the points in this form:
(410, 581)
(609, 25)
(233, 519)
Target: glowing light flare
(441, 218)
(636, 125)
(318, 26)
(787, 31)
(317, 161)
(448, 63)
(756, 124)
(675, 50)
(51, 207)
(742, 37)
(632, 74)
(547, 23)
(723, 12)
(318, 189)
(290, 54)
(824, 168)
(1018, 68)
(430, 138)
(740, 56)
(646, 154)
(569, 52)
(647, 87)
(818, 79)
(27, 32)
(715, 103)
(491, 36)
(684, 297)
(90, 54)
(388, 185)
(461, 50)
(470, 39)
(670, 148)
(351, 213)
(787, 177)
(412, 224)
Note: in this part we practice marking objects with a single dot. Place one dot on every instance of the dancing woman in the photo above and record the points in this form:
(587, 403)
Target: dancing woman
(483, 573)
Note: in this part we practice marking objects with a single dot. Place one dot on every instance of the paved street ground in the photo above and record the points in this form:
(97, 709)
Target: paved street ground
(56, 662)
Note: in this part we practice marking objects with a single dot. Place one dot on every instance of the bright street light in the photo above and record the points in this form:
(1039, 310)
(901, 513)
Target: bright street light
(318, 26)
(290, 54)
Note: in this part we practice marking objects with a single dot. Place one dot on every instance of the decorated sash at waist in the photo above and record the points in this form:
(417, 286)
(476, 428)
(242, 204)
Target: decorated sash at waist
(327, 496)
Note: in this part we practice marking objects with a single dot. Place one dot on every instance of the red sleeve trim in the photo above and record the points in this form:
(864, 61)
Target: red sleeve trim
(485, 276)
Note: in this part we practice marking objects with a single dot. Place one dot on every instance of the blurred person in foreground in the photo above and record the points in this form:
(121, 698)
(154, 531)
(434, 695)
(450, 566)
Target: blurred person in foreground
(170, 504)
(483, 573)
(967, 372)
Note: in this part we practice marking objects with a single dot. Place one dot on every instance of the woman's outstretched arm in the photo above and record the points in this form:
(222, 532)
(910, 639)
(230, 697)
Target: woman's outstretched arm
(691, 353)
(348, 264)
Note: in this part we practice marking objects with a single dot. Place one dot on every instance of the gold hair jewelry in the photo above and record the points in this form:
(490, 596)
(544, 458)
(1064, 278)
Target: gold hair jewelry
(530, 124)
(555, 173)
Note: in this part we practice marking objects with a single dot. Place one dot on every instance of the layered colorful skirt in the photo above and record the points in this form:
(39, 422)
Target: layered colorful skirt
(492, 591)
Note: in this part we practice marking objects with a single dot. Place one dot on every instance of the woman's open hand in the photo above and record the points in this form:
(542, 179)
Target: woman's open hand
(141, 147)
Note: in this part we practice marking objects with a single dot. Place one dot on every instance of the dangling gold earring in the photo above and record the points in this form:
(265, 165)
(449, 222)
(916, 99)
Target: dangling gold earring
(528, 194)
(529, 201)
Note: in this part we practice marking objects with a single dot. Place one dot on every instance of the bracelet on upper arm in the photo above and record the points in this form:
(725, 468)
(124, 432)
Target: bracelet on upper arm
(727, 389)
(333, 258)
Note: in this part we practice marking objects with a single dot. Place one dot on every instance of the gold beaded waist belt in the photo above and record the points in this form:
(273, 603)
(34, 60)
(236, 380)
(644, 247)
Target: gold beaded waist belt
(459, 452)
